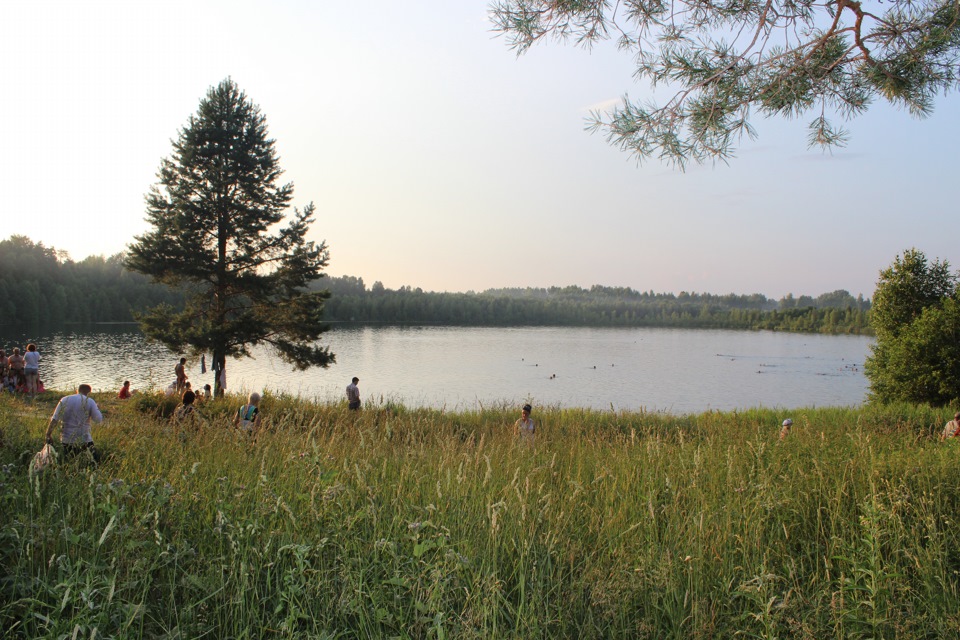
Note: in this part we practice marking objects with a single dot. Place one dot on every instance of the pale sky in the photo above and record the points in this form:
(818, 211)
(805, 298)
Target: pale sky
(438, 159)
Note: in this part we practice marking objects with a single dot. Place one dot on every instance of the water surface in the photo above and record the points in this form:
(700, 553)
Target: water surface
(673, 370)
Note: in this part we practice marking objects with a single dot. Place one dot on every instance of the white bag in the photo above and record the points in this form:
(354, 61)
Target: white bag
(44, 458)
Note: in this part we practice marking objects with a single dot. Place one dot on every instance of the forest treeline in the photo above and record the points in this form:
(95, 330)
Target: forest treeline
(41, 284)
(835, 312)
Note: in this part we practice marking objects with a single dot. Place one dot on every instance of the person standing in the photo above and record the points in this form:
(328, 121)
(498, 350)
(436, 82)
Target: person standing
(353, 395)
(75, 413)
(525, 427)
(181, 376)
(15, 363)
(31, 367)
(952, 428)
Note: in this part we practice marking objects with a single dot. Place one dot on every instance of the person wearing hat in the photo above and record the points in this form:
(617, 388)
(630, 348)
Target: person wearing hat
(952, 428)
(353, 395)
(525, 427)
(785, 430)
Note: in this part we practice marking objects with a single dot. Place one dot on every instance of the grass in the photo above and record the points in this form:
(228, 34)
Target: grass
(421, 523)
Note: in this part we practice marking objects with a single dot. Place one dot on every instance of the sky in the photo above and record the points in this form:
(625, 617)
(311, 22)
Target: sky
(438, 158)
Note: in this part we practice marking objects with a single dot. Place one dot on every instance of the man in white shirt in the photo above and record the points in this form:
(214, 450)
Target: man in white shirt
(75, 412)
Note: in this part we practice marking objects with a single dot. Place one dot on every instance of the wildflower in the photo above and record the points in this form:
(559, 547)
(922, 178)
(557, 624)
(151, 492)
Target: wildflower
(415, 526)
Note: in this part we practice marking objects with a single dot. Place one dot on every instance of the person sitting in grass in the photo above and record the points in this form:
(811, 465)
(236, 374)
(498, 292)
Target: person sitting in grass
(248, 416)
(952, 428)
(124, 393)
(785, 428)
(187, 407)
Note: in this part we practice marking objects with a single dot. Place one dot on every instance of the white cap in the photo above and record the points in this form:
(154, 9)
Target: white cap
(788, 422)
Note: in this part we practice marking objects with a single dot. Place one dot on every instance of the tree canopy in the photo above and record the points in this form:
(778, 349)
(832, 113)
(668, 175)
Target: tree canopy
(40, 285)
(600, 306)
(733, 59)
(211, 213)
(916, 317)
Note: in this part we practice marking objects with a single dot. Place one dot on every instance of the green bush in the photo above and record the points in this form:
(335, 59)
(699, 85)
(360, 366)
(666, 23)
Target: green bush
(157, 405)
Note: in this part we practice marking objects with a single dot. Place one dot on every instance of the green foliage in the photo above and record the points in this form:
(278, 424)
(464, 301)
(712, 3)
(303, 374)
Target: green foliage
(211, 214)
(732, 60)
(906, 288)
(109, 292)
(922, 362)
(836, 312)
(157, 405)
(917, 322)
(424, 523)
(39, 284)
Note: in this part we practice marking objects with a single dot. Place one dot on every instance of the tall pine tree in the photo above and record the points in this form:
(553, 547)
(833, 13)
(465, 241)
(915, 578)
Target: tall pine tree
(213, 212)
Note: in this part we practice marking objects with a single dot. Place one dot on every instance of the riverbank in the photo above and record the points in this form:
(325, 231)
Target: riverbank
(430, 523)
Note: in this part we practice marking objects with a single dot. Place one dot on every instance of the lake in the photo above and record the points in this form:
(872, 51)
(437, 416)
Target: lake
(672, 370)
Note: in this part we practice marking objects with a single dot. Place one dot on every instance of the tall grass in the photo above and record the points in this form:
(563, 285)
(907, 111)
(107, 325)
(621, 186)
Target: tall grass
(422, 523)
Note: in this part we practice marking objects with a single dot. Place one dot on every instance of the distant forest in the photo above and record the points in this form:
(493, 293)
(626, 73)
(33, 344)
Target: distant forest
(39, 284)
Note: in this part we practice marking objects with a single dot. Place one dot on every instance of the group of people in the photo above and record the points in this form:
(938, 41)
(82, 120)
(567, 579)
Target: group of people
(20, 373)
(76, 412)
(247, 418)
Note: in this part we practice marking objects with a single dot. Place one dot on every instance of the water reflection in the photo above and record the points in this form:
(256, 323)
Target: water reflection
(674, 370)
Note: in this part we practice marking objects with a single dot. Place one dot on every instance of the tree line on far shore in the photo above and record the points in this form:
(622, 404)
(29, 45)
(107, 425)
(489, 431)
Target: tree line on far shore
(39, 284)
(835, 312)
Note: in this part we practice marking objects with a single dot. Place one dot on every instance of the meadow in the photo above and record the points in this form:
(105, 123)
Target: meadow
(421, 523)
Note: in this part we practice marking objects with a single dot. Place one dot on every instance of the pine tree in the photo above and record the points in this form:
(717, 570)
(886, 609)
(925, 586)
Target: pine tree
(729, 61)
(212, 213)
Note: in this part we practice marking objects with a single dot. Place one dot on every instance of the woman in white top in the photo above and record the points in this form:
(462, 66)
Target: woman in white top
(31, 367)
(525, 427)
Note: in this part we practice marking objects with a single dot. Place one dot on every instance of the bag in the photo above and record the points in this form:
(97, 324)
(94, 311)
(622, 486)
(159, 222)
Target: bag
(44, 458)
(248, 414)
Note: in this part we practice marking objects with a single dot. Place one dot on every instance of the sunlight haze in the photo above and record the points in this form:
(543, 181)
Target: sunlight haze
(439, 159)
